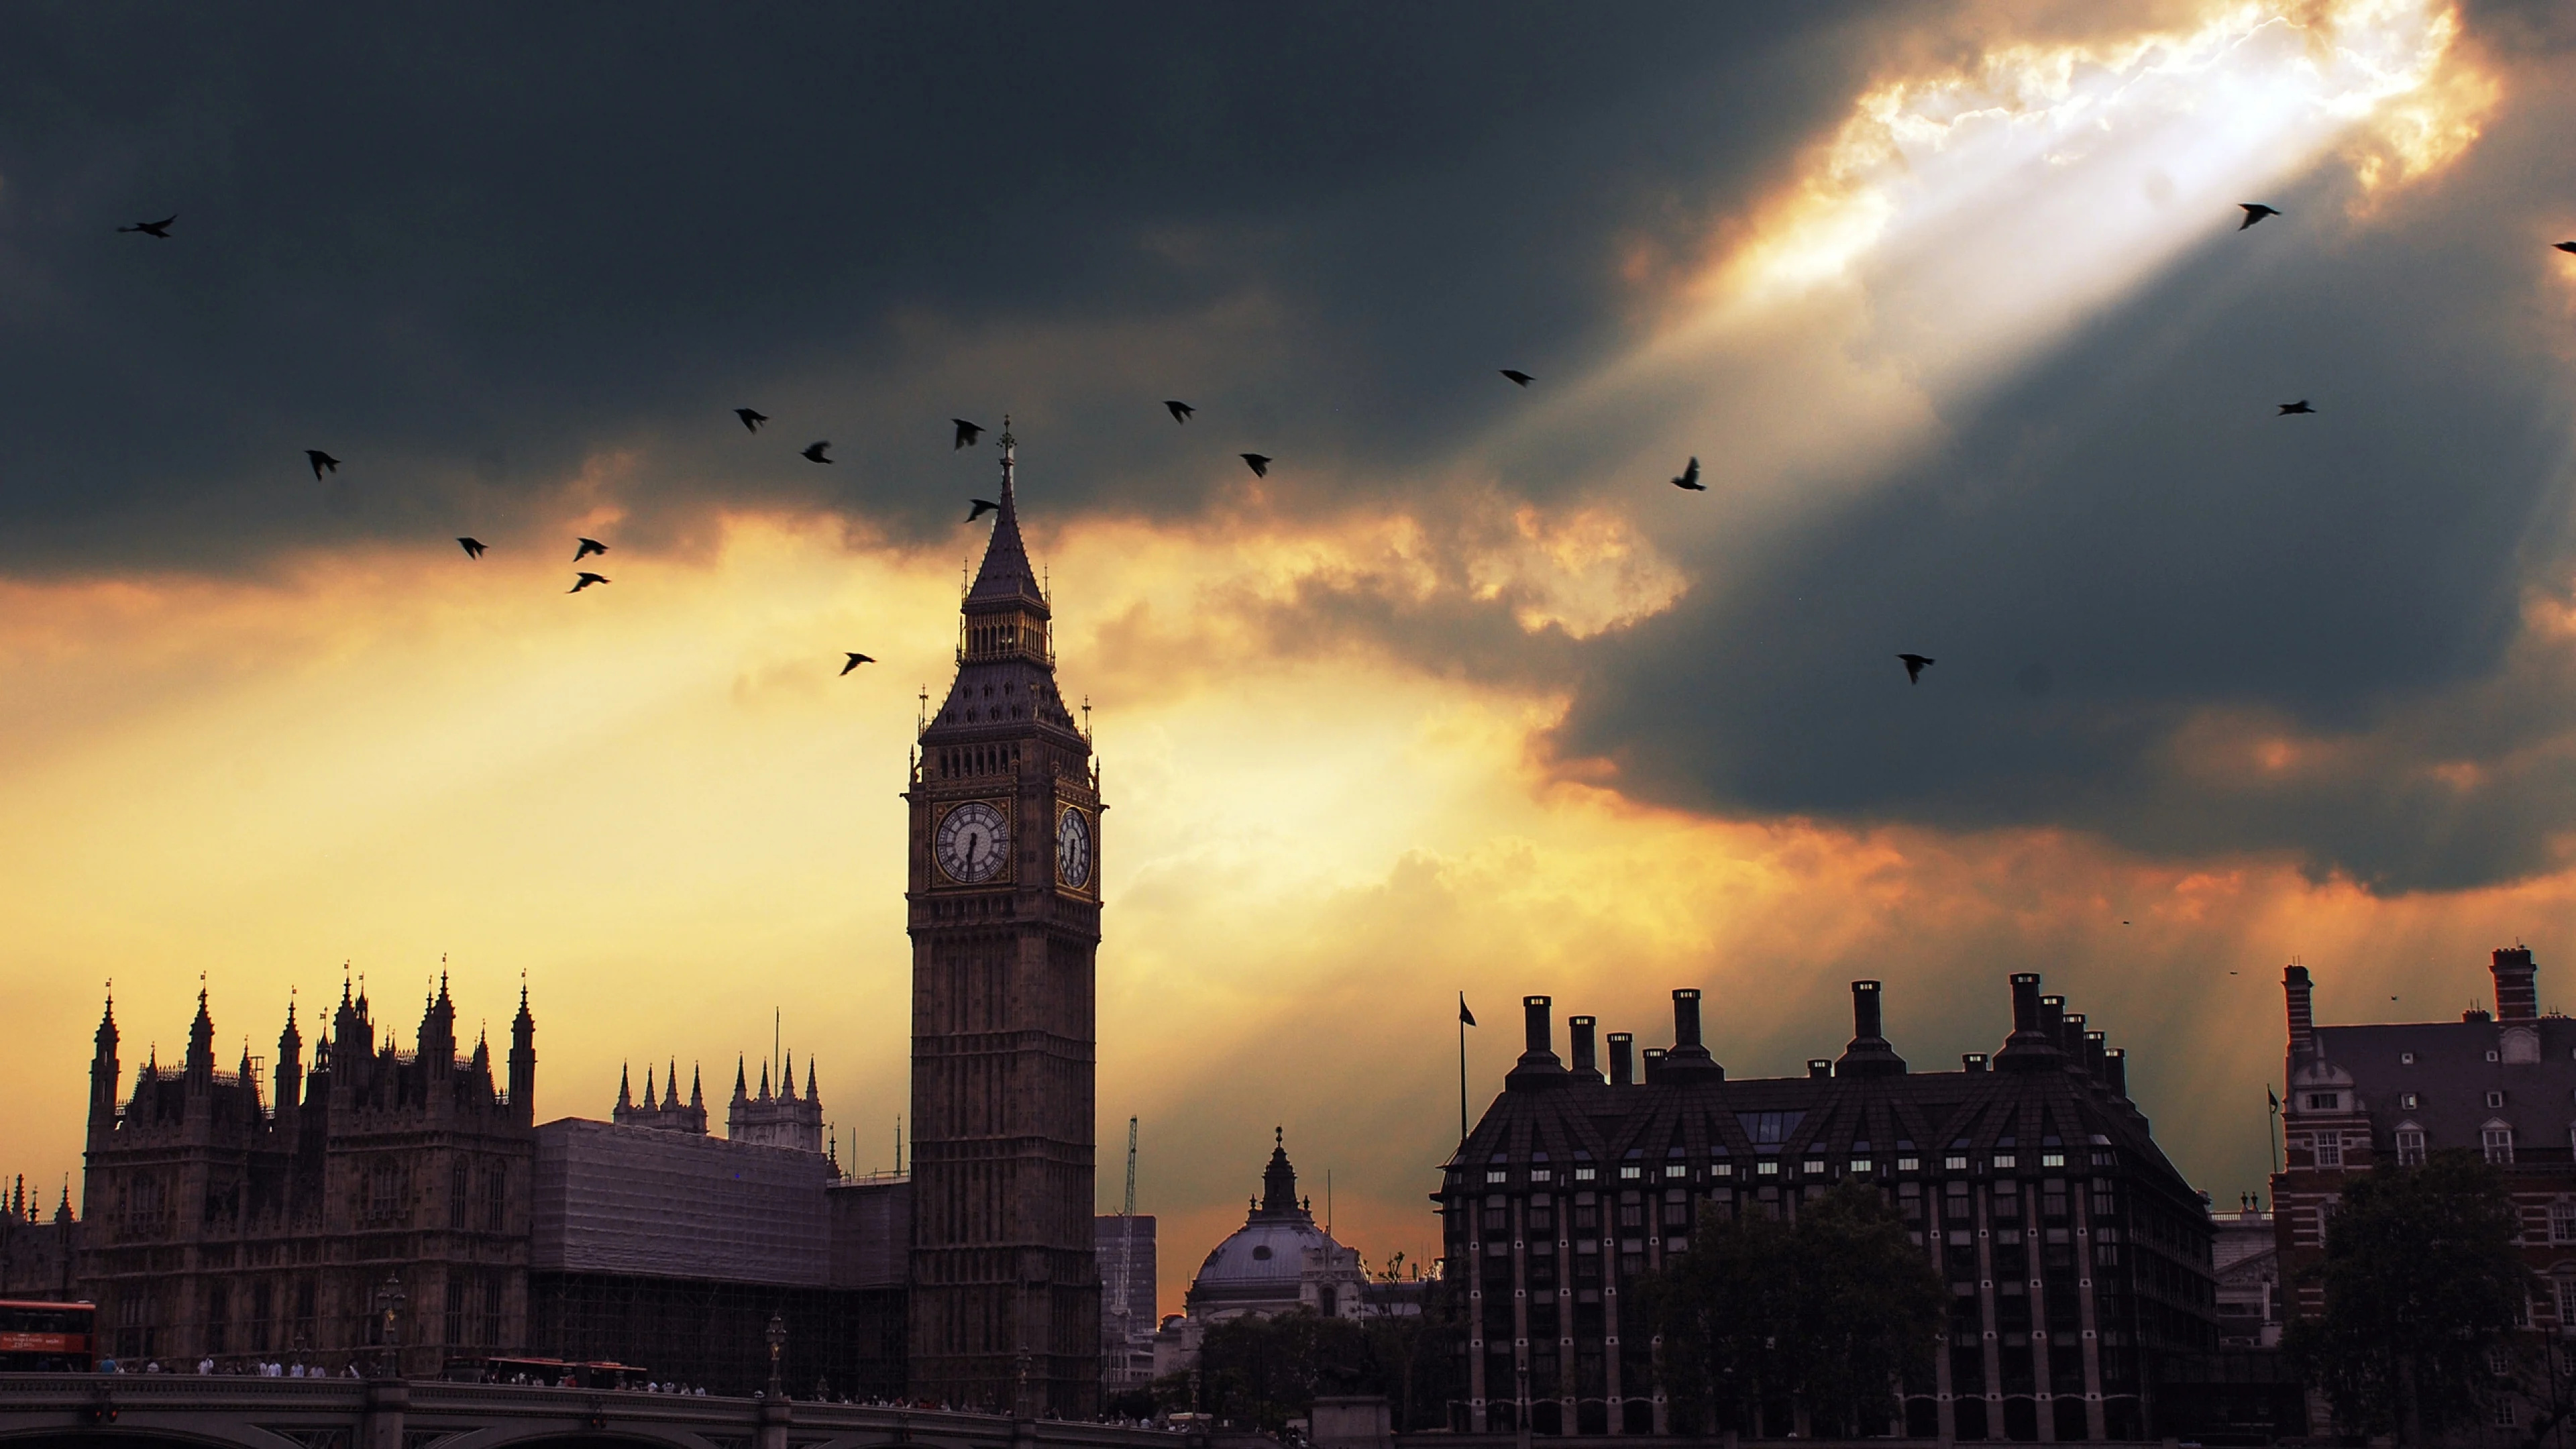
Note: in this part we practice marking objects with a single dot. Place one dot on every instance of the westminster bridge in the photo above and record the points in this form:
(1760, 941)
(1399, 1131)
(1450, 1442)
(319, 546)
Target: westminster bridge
(144, 1411)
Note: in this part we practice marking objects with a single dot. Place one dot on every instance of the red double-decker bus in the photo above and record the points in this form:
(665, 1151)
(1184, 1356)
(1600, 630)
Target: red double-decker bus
(40, 1338)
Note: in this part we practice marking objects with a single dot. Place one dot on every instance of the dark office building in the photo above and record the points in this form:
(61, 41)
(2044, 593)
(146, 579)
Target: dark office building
(2078, 1259)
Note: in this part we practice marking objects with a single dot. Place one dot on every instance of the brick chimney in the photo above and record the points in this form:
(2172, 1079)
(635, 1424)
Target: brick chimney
(1578, 1030)
(2516, 998)
(1623, 1060)
(1538, 1066)
(2303, 1016)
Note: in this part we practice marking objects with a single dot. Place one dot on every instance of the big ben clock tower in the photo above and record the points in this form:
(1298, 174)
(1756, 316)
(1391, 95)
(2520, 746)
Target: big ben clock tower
(1005, 921)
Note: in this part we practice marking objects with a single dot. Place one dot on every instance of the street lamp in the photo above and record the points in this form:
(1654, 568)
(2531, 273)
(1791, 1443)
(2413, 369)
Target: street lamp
(777, 1342)
(389, 1302)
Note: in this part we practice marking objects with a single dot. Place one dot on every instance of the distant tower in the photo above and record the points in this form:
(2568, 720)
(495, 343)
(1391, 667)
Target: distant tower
(1005, 923)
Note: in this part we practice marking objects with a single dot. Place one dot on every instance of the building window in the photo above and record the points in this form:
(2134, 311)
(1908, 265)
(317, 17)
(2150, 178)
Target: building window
(2005, 1161)
(492, 1288)
(2498, 1142)
(1541, 1174)
(1583, 1174)
(2410, 1147)
(456, 1196)
(2562, 1221)
(1497, 1174)
(2506, 1414)
(1631, 1172)
(2329, 1149)
(2567, 1302)
(2495, 1099)
(1860, 1164)
(2052, 1159)
(2321, 1101)
(1909, 1164)
(1815, 1167)
(1767, 1167)
(2409, 1101)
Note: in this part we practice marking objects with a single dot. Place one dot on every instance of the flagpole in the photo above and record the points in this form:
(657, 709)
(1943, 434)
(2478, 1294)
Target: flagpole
(1463, 1019)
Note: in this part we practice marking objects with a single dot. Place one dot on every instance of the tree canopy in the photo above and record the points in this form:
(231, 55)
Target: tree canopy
(1828, 1311)
(2423, 1282)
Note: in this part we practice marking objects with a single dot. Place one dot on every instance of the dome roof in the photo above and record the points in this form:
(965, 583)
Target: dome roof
(1261, 1253)
(1264, 1265)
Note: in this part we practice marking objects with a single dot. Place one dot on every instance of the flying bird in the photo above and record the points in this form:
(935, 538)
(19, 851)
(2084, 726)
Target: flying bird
(967, 432)
(814, 451)
(2565, 246)
(321, 460)
(1260, 464)
(1181, 411)
(1517, 376)
(473, 547)
(2301, 406)
(752, 418)
(2254, 211)
(1914, 667)
(1690, 478)
(982, 507)
(856, 659)
(159, 228)
(583, 582)
(588, 547)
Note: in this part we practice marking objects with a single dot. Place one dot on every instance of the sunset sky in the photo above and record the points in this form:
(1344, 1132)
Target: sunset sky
(1948, 297)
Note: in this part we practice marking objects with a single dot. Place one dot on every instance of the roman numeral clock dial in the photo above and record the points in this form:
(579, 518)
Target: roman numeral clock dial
(973, 842)
(1072, 849)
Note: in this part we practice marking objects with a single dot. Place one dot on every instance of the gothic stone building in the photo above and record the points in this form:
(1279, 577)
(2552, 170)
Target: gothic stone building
(1004, 914)
(2499, 1083)
(228, 1227)
(2078, 1260)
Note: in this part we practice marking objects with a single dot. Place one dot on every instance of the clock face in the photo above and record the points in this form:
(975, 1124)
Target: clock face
(1072, 849)
(973, 842)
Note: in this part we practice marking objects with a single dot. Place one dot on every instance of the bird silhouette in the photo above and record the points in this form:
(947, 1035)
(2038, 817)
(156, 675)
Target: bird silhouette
(967, 432)
(751, 418)
(1260, 464)
(1180, 410)
(856, 659)
(2565, 246)
(1914, 667)
(159, 228)
(1517, 376)
(583, 582)
(321, 460)
(2301, 406)
(814, 451)
(473, 547)
(2254, 211)
(588, 547)
(982, 507)
(1690, 478)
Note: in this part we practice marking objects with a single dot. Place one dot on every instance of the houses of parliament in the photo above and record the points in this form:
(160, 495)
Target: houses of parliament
(243, 1214)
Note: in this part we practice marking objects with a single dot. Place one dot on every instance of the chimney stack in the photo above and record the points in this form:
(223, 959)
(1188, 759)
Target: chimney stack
(2303, 1018)
(1972, 1061)
(2033, 1044)
(1623, 1059)
(2070, 1037)
(1819, 1067)
(2516, 997)
(2115, 1071)
(1578, 1031)
(1688, 1058)
(2096, 1047)
(1868, 1055)
(1654, 1065)
(1538, 1066)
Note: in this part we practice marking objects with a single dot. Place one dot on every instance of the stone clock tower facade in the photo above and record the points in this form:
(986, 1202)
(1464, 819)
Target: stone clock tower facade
(1005, 922)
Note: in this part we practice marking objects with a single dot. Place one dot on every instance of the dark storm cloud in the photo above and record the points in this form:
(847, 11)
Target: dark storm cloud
(463, 253)
(2135, 575)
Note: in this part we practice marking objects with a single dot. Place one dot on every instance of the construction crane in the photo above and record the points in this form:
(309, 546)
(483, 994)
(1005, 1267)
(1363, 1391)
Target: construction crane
(1126, 1247)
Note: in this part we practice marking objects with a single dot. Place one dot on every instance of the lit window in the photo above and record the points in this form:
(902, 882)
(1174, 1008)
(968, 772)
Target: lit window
(1860, 1164)
(2409, 1101)
(1813, 1167)
(2052, 1159)
(1909, 1164)
(1541, 1174)
(1954, 1164)
(2498, 1142)
(2410, 1147)
(1496, 1174)
(1583, 1174)
(1676, 1169)
(1631, 1173)
(1768, 1167)
(2004, 1160)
